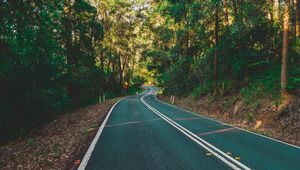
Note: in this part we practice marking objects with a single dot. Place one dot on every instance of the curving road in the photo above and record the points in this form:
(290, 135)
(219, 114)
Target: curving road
(141, 132)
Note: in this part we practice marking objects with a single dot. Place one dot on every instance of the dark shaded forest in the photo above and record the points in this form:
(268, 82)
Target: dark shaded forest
(57, 56)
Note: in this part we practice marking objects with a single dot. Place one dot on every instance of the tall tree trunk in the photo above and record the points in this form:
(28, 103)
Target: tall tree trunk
(292, 11)
(216, 49)
(297, 13)
(68, 31)
(113, 66)
(121, 70)
(285, 47)
(235, 11)
(101, 59)
(133, 65)
(67, 23)
(279, 10)
(241, 10)
(226, 13)
(187, 41)
(271, 2)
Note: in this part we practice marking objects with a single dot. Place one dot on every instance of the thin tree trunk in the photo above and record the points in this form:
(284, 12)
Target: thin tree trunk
(285, 47)
(133, 65)
(216, 49)
(226, 13)
(120, 72)
(187, 41)
(67, 23)
(241, 10)
(113, 67)
(297, 13)
(279, 10)
(292, 11)
(272, 21)
(109, 60)
(101, 59)
(68, 31)
(235, 12)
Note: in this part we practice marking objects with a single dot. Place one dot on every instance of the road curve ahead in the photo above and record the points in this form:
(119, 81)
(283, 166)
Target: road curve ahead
(141, 132)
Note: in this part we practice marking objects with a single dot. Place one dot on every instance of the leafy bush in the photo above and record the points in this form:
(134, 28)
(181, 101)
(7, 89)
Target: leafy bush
(260, 88)
(251, 93)
(201, 90)
(249, 117)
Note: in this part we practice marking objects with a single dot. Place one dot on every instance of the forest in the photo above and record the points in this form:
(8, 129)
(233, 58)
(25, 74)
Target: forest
(61, 55)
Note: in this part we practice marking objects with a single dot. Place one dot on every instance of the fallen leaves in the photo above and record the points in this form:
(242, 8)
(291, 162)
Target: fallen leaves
(59, 144)
(209, 154)
(77, 162)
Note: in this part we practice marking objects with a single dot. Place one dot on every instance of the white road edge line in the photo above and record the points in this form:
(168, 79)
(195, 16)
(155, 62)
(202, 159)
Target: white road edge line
(198, 140)
(245, 130)
(89, 152)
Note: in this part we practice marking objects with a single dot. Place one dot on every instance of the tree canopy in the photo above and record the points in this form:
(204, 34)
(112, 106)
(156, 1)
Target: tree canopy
(220, 46)
(60, 55)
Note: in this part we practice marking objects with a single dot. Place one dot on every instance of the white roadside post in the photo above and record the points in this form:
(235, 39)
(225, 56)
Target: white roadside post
(172, 100)
(100, 98)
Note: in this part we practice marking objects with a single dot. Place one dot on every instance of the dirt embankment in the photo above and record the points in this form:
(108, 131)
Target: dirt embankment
(281, 121)
(57, 144)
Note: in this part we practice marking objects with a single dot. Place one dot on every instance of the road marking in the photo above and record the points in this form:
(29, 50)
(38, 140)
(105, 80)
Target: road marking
(219, 131)
(245, 130)
(188, 118)
(198, 140)
(132, 122)
(89, 152)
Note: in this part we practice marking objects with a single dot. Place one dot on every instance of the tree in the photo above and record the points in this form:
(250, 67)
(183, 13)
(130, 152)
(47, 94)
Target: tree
(216, 48)
(285, 46)
(297, 13)
(226, 12)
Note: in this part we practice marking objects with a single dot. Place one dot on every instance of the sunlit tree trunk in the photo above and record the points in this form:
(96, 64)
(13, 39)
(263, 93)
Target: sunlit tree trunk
(297, 13)
(120, 71)
(216, 49)
(285, 47)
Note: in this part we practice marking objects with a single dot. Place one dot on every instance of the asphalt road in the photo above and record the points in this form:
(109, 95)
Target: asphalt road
(144, 133)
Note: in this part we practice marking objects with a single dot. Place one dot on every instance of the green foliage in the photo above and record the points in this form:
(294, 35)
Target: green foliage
(266, 86)
(249, 117)
(249, 49)
(201, 90)
(59, 55)
(50, 64)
